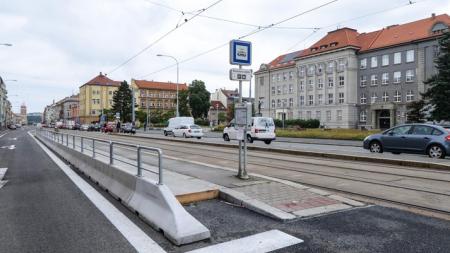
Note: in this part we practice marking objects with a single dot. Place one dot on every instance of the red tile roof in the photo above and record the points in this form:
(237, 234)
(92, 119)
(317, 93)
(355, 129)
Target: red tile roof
(386, 37)
(144, 84)
(103, 81)
(214, 104)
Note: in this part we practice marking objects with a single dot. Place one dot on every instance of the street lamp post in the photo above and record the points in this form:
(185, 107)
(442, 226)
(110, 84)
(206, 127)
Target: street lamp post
(217, 113)
(163, 55)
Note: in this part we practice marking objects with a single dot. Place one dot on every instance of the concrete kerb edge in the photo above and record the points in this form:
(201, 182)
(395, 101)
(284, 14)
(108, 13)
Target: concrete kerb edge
(426, 165)
(178, 225)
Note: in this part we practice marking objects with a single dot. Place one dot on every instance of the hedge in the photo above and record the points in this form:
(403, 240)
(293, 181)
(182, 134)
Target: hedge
(310, 123)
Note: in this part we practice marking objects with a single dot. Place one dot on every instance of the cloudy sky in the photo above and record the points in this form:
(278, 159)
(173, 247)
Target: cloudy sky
(60, 45)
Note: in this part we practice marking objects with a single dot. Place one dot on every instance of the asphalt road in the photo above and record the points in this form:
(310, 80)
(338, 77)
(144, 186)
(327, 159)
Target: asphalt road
(41, 210)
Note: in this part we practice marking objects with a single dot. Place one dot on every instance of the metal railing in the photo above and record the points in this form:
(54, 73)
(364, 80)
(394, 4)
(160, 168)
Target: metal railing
(63, 138)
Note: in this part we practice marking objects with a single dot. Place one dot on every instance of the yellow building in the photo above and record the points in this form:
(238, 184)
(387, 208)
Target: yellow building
(156, 95)
(95, 96)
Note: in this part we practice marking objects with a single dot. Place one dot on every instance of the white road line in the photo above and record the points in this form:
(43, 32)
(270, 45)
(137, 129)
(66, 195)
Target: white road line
(2, 172)
(135, 236)
(259, 243)
(3, 135)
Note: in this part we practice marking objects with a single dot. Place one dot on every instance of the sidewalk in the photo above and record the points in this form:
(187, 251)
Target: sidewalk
(280, 199)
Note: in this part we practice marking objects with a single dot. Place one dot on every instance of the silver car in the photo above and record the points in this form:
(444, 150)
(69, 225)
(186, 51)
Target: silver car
(433, 140)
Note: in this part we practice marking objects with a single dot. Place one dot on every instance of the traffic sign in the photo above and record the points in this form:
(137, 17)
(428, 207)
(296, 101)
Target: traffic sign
(241, 74)
(240, 52)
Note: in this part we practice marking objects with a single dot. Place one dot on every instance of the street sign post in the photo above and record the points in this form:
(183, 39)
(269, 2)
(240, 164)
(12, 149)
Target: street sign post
(241, 54)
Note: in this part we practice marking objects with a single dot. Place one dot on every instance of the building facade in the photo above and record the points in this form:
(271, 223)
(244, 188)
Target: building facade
(160, 96)
(96, 96)
(349, 79)
(3, 105)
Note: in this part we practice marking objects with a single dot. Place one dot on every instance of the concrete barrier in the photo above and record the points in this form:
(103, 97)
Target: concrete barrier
(154, 203)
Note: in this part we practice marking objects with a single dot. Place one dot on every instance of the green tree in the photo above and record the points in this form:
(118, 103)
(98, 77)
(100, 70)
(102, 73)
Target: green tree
(416, 111)
(122, 102)
(198, 99)
(230, 112)
(439, 92)
(183, 101)
(222, 117)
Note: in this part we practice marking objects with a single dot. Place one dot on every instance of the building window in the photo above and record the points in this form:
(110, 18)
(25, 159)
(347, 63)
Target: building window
(339, 115)
(385, 60)
(278, 77)
(274, 78)
(92, 112)
(397, 77)
(397, 96)
(319, 99)
(409, 96)
(318, 116)
(363, 116)
(363, 99)
(341, 65)
(398, 58)
(320, 69)
(373, 62)
(409, 76)
(273, 103)
(110, 92)
(300, 115)
(311, 100)
(310, 83)
(278, 103)
(363, 81)
(308, 115)
(301, 71)
(261, 81)
(363, 63)
(284, 76)
(291, 75)
(328, 116)
(410, 56)
(278, 90)
(373, 79)
(330, 82)
(302, 100)
(285, 90)
(311, 70)
(291, 88)
(330, 98)
(302, 86)
(291, 102)
(273, 90)
(341, 97)
(385, 78)
(319, 83)
(374, 98)
(330, 67)
(436, 51)
(385, 96)
(341, 81)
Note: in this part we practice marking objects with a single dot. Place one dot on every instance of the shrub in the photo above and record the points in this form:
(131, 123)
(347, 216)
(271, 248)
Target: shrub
(201, 122)
(292, 123)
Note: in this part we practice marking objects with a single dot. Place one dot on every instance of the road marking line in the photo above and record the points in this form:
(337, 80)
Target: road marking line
(3, 135)
(2, 172)
(135, 236)
(259, 243)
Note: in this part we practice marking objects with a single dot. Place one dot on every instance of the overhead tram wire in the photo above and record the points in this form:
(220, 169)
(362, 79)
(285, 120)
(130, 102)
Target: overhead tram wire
(163, 36)
(351, 19)
(259, 29)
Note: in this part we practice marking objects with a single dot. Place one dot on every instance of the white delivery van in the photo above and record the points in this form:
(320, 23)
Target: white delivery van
(262, 128)
(177, 122)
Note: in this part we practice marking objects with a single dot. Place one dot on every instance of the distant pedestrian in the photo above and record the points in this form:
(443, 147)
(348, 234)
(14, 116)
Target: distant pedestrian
(145, 126)
(118, 126)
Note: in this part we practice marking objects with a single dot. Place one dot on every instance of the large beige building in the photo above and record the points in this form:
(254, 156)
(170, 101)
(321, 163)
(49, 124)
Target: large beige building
(156, 95)
(95, 96)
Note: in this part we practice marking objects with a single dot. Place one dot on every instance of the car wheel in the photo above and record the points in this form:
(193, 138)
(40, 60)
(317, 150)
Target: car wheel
(184, 135)
(249, 138)
(226, 137)
(165, 133)
(375, 147)
(199, 138)
(267, 142)
(436, 151)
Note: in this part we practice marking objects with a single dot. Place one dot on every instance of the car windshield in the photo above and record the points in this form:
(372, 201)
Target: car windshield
(265, 122)
(195, 127)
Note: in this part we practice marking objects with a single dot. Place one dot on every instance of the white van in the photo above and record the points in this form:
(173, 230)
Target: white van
(176, 122)
(262, 128)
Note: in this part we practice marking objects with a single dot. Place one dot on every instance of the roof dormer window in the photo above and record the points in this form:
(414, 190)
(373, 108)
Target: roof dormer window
(439, 28)
(323, 46)
(333, 44)
(313, 49)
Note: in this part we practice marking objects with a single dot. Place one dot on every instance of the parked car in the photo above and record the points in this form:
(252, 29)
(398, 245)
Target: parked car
(94, 127)
(433, 140)
(76, 126)
(84, 127)
(108, 127)
(12, 127)
(188, 131)
(176, 122)
(262, 128)
(128, 128)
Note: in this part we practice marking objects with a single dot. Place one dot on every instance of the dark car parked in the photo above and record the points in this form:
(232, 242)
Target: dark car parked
(433, 140)
(128, 128)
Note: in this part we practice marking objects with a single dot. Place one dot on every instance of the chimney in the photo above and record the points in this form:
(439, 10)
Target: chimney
(101, 73)
(433, 15)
